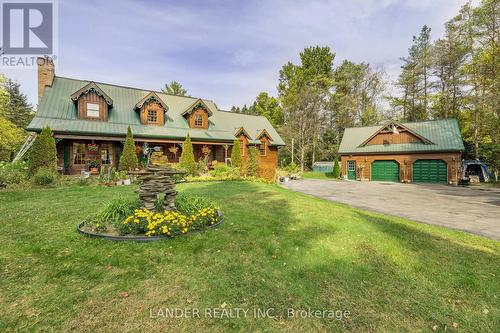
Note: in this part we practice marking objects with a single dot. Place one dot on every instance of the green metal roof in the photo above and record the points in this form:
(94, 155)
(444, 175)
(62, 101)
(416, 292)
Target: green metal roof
(444, 135)
(58, 111)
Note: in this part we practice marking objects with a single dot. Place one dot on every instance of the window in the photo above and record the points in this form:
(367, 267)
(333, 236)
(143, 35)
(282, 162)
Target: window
(262, 149)
(242, 145)
(152, 116)
(93, 110)
(79, 151)
(198, 121)
(106, 154)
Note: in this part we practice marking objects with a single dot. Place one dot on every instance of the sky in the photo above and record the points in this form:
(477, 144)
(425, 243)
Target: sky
(228, 51)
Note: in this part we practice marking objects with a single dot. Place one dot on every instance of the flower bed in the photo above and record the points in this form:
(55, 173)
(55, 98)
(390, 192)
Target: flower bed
(122, 219)
(143, 238)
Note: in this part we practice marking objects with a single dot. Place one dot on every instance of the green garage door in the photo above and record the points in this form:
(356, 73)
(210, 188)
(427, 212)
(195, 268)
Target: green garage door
(430, 171)
(385, 171)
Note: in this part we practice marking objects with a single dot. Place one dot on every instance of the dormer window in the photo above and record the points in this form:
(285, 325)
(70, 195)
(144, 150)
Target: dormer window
(152, 116)
(92, 103)
(198, 121)
(151, 110)
(197, 115)
(92, 110)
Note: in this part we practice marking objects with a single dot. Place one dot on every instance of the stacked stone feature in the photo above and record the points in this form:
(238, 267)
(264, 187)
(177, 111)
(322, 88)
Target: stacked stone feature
(154, 182)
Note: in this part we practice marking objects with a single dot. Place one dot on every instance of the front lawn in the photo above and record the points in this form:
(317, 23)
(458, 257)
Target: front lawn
(317, 175)
(277, 249)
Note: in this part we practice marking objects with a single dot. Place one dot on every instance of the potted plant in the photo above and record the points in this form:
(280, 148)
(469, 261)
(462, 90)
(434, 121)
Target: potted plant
(123, 178)
(94, 167)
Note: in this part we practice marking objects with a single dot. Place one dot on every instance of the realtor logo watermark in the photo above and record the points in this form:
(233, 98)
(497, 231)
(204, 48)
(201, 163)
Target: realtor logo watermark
(29, 29)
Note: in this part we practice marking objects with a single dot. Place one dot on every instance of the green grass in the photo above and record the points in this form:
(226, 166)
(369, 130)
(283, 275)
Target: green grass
(277, 249)
(317, 175)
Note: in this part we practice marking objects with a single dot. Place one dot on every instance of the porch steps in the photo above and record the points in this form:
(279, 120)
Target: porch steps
(24, 148)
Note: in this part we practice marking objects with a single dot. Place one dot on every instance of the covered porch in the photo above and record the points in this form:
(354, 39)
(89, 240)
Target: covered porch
(75, 154)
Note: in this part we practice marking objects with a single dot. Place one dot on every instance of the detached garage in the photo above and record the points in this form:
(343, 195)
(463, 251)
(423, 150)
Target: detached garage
(418, 152)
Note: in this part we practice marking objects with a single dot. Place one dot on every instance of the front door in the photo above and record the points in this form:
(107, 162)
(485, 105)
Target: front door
(351, 170)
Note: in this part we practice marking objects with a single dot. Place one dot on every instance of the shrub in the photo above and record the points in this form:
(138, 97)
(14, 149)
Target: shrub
(44, 176)
(10, 140)
(220, 170)
(128, 159)
(189, 204)
(236, 159)
(42, 153)
(336, 168)
(187, 157)
(13, 173)
(253, 162)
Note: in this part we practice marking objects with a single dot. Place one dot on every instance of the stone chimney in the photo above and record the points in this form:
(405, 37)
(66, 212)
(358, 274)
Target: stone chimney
(46, 73)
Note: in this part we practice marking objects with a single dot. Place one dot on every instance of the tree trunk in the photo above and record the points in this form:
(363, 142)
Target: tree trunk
(302, 157)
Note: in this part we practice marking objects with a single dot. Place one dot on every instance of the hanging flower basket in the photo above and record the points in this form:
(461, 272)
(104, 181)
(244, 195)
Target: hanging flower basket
(92, 147)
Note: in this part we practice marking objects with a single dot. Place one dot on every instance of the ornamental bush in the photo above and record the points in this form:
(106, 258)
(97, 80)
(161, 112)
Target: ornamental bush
(42, 154)
(187, 157)
(336, 168)
(45, 176)
(128, 160)
(253, 162)
(236, 159)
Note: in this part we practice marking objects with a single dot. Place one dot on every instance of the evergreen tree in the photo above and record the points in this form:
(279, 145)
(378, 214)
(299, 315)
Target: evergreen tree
(236, 159)
(253, 162)
(336, 168)
(17, 110)
(187, 157)
(128, 159)
(174, 88)
(42, 153)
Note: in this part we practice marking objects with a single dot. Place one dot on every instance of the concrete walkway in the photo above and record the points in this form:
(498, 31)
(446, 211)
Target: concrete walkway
(476, 210)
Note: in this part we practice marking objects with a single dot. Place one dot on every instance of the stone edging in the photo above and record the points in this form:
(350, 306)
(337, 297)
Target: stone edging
(145, 238)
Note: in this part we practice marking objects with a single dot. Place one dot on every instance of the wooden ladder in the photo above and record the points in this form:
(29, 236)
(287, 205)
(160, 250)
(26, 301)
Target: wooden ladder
(26, 145)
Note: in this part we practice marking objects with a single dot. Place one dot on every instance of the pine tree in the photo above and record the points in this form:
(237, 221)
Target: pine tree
(42, 153)
(187, 157)
(253, 162)
(17, 110)
(128, 160)
(236, 159)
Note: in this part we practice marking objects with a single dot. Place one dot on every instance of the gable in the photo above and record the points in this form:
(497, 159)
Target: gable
(91, 87)
(152, 97)
(425, 136)
(388, 138)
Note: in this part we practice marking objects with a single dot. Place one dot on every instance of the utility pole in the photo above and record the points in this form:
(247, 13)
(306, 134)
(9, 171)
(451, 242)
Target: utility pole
(292, 150)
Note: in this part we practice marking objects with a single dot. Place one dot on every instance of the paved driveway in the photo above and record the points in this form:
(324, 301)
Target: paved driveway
(476, 210)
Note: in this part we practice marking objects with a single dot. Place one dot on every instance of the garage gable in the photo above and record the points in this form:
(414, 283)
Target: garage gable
(395, 133)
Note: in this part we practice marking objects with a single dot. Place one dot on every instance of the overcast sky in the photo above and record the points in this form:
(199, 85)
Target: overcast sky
(228, 51)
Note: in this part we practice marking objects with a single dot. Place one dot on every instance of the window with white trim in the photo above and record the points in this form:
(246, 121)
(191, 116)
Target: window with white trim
(198, 120)
(93, 110)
